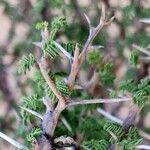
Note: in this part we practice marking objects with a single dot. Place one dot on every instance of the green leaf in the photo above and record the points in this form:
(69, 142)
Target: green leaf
(106, 74)
(34, 134)
(41, 25)
(26, 63)
(94, 57)
(96, 145)
(50, 49)
(134, 58)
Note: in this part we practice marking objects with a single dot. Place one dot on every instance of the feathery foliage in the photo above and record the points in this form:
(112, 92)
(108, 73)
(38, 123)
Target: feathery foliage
(70, 47)
(134, 58)
(26, 63)
(41, 25)
(57, 24)
(140, 91)
(50, 49)
(106, 74)
(34, 134)
(114, 128)
(96, 145)
(32, 102)
(94, 57)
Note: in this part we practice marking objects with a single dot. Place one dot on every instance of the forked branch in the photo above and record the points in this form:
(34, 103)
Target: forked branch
(93, 31)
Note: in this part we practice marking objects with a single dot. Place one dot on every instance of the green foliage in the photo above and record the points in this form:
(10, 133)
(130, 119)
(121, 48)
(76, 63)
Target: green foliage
(130, 144)
(142, 94)
(134, 58)
(26, 63)
(129, 15)
(34, 134)
(131, 12)
(133, 139)
(57, 24)
(41, 25)
(140, 91)
(95, 131)
(57, 3)
(106, 74)
(113, 94)
(133, 133)
(70, 47)
(94, 57)
(50, 49)
(143, 12)
(94, 126)
(114, 128)
(59, 82)
(140, 98)
(128, 85)
(96, 145)
(139, 38)
(62, 88)
(32, 102)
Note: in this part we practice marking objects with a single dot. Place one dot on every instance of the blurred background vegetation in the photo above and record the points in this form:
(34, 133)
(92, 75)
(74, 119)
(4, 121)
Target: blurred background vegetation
(17, 32)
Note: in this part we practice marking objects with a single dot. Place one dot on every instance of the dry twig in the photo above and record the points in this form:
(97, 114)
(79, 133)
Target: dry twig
(93, 31)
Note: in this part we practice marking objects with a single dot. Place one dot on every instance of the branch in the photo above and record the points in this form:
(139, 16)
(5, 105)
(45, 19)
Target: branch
(93, 31)
(74, 68)
(96, 101)
(12, 141)
(50, 82)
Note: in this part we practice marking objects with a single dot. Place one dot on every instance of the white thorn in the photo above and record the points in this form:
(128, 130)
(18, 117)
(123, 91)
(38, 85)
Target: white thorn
(88, 20)
(38, 44)
(12, 141)
(97, 46)
(109, 116)
(33, 112)
(145, 20)
(67, 125)
(68, 55)
(143, 147)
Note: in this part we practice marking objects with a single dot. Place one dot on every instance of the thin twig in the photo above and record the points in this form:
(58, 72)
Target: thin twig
(96, 101)
(12, 141)
(141, 49)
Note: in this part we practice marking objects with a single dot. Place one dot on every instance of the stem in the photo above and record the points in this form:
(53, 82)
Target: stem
(51, 84)
(96, 101)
